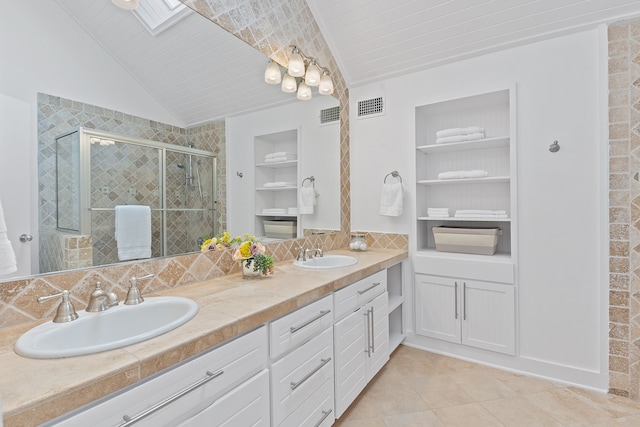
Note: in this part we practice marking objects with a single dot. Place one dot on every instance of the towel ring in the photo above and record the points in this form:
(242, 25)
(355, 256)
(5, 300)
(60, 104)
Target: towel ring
(312, 179)
(394, 174)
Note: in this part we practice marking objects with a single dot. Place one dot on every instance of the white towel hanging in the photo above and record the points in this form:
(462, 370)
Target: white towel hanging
(8, 263)
(391, 199)
(133, 232)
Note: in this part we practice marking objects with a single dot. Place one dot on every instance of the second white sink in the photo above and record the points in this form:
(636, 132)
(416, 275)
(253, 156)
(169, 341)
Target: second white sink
(117, 327)
(327, 261)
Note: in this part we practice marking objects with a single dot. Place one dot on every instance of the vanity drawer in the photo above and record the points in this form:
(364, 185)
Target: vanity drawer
(298, 375)
(350, 298)
(317, 410)
(295, 328)
(218, 371)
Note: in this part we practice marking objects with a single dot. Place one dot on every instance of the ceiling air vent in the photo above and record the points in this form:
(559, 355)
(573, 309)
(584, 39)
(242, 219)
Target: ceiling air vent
(329, 115)
(371, 107)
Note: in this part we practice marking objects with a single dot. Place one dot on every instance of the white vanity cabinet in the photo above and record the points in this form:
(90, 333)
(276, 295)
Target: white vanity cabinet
(361, 337)
(470, 312)
(203, 388)
(302, 366)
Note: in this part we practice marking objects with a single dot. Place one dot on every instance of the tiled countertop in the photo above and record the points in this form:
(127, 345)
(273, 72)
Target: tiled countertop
(33, 391)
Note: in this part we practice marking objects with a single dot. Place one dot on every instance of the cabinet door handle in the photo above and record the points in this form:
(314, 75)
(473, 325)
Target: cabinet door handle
(132, 420)
(456, 301)
(368, 349)
(325, 414)
(310, 321)
(369, 288)
(373, 332)
(464, 301)
(295, 385)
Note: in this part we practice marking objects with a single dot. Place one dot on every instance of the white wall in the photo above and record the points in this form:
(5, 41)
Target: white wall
(319, 156)
(560, 211)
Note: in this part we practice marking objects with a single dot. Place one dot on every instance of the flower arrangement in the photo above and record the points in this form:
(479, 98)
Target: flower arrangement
(247, 248)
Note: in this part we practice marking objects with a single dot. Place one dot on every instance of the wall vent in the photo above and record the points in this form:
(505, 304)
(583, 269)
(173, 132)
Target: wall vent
(329, 115)
(371, 107)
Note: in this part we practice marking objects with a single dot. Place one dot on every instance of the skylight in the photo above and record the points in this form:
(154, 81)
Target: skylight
(158, 15)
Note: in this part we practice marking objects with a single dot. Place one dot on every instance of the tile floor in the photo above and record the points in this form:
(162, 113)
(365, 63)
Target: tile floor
(418, 388)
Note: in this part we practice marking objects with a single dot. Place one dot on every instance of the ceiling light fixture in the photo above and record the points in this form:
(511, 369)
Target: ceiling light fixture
(303, 72)
(126, 4)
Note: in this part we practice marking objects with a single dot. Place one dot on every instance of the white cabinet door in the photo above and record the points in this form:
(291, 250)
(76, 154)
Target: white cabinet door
(379, 335)
(349, 349)
(488, 316)
(246, 405)
(361, 343)
(478, 314)
(437, 308)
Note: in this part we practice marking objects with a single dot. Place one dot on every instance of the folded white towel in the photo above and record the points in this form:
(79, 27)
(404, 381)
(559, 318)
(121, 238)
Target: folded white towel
(279, 154)
(278, 159)
(459, 131)
(463, 174)
(306, 200)
(480, 212)
(274, 211)
(133, 232)
(8, 263)
(435, 210)
(494, 216)
(460, 138)
(391, 200)
(438, 215)
(278, 184)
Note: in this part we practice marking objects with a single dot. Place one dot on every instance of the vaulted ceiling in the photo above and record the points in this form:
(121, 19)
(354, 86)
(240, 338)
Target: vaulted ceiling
(376, 39)
(199, 72)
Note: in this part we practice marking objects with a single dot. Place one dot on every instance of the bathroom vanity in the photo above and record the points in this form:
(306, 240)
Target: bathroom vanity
(263, 350)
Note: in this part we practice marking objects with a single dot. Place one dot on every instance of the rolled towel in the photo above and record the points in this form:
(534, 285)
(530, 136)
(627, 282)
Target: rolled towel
(463, 174)
(8, 263)
(459, 131)
(391, 199)
(133, 232)
(460, 138)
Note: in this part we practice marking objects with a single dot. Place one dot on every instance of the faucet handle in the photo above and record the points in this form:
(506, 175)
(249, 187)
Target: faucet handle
(134, 296)
(318, 251)
(66, 311)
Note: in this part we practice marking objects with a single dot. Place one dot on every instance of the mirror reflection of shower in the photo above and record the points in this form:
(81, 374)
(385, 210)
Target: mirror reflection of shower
(193, 194)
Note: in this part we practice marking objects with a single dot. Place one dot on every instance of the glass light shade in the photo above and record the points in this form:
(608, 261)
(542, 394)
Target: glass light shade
(304, 92)
(289, 84)
(126, 4)
(296, 65)
(272, 73)
(312, 76)
(326, 85)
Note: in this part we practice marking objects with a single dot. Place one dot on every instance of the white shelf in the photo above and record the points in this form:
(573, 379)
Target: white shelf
(451, 218)
(501, 258)
(486, 180)
(276, 188)
(395, 301)
(502, 141)
(278, 165)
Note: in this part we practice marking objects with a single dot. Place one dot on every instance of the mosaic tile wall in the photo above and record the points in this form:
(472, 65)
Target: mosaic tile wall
(624, 212)
(66, 251)
(278, 24)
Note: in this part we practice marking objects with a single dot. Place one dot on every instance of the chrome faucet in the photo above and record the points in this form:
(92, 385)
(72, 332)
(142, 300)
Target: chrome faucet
(66, 311)
(101, 300)
(301, 254)
(308, 254)
(134, 296)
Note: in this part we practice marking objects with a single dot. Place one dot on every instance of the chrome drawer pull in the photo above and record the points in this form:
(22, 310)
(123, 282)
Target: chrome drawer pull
(373, 332)
(369, 288)
(308, 322)
(325, 414)
(295, 385)
(129, 420)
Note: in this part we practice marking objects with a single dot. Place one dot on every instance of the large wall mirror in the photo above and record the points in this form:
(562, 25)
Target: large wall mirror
(180, 81)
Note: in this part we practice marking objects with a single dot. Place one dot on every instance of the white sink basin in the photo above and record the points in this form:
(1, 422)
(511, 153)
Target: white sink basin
(327, 261)
(117, 327)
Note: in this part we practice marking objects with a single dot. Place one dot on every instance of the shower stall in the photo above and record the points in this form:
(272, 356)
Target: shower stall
(97, 171)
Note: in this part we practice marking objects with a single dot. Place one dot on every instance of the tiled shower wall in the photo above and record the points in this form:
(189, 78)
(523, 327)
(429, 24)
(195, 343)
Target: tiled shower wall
(57, 116)
(624, 208)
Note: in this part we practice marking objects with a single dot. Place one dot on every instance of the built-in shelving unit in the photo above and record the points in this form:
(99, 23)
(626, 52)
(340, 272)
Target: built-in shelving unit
(396, 302)
(266, 173)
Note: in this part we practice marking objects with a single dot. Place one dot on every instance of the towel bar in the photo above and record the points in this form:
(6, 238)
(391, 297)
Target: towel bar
(394, 174)
(312, 179)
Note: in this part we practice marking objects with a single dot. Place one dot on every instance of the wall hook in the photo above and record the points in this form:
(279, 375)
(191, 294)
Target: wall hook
(555, 147)
(240, 174)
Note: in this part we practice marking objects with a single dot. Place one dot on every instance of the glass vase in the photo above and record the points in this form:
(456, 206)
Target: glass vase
(248, 272)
